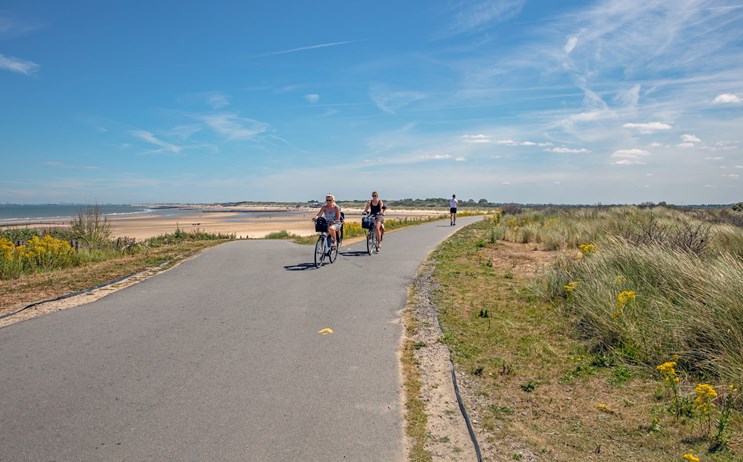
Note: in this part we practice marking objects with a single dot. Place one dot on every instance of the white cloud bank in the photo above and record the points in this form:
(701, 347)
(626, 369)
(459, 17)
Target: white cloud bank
(727, 98)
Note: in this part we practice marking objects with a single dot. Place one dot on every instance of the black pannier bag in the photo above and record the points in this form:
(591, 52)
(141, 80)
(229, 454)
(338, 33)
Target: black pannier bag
(367, 222)
(321, 225)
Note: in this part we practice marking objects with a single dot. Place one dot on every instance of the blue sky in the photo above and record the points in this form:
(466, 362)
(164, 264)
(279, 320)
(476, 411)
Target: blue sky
(620, 101)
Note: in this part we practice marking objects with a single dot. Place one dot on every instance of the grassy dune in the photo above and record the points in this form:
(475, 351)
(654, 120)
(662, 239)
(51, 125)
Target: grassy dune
(559, 319)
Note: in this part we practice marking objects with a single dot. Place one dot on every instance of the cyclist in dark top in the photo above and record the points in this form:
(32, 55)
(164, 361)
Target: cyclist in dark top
(376, 207)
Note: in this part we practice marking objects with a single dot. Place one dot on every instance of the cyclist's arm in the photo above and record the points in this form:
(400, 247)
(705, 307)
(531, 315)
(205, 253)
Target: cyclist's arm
(337, 213)
(382, 207)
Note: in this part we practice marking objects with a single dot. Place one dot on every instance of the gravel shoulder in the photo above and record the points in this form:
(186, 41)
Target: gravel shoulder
(448, 437)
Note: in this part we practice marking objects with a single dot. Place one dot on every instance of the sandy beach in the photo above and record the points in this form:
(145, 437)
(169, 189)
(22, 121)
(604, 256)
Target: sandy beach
(250, 222)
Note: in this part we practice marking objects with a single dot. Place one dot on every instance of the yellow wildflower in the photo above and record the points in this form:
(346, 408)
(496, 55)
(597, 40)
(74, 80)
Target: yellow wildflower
(690, 457)
(705, 394)
(624, 297)
(605, 408)
(570, 286)
(6, 249)
(587, 249)
(668, 370)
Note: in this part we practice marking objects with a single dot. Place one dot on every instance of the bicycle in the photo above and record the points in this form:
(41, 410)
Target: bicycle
(369, 222)
(323, 246)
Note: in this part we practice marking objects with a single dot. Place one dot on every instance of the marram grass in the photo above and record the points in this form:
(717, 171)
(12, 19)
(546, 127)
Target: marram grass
(682, 304)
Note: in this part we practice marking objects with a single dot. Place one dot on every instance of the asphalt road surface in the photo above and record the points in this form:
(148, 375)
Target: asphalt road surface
(228, 356)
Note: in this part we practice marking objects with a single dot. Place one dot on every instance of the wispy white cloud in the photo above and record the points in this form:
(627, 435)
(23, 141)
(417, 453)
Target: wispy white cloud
(18, 65)
(69, 166)
(217, 101)
(12, 27)
(473, 16)
(152, 139)
(477, 139)
(435, 156)
(391, 101)
(312, 98)
(629, 156)
(687, 138)
(648, 127)
(306, 48)
(510, 142)
(570, 44)
(686, 145)
(185, 131)
(727, 98)
(234, 127)
(564, 150)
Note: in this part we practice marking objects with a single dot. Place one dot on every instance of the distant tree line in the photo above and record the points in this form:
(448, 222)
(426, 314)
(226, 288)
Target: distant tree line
(513, 208)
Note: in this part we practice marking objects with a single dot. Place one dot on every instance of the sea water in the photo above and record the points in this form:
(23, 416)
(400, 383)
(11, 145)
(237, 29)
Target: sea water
(20, 212)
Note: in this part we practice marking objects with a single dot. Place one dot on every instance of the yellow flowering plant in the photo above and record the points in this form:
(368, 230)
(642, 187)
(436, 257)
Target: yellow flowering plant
(38, 253)
(671, 379)
(624, 298)
(703, 402)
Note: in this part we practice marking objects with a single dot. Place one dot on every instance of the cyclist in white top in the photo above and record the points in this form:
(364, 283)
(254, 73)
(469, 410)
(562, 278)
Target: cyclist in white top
(453, 210)
(332, 214)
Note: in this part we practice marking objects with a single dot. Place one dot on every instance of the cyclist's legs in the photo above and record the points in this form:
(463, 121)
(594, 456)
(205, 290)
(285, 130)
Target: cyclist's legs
(333, 231)
(378, 229)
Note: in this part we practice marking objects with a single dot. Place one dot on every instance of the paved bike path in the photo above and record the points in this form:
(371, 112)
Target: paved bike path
(221, 358)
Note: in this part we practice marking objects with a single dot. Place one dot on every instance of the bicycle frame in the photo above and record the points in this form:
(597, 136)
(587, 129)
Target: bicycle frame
(371, 239)
(323, 248)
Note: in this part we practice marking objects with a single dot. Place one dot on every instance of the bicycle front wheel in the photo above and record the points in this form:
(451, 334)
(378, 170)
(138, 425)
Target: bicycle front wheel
(370, 241)
(319, 251)
(333, 253)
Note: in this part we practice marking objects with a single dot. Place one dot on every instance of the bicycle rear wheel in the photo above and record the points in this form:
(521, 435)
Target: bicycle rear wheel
(370, 241)
(319, 251)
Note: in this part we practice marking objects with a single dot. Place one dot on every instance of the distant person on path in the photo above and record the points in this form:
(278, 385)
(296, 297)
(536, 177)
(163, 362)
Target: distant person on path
(332, 214)
(453, 210)
(376, 207)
